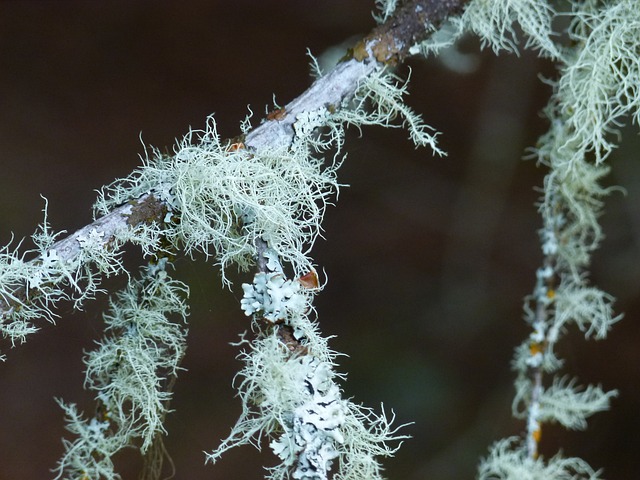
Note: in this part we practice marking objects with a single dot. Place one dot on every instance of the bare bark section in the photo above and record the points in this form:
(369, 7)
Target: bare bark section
(326, 92)
(387, 44)
(411, 23)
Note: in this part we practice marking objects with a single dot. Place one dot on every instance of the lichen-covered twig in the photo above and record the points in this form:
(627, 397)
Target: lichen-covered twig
(123, 216)
(260, 198)
(131, 372)
(239, 201)
(290, 393)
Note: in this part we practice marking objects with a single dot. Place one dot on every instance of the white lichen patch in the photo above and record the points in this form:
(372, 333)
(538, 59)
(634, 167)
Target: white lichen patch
(307, 123)
(296, 403)
(290, 393)
(310, 442)
(273, 297)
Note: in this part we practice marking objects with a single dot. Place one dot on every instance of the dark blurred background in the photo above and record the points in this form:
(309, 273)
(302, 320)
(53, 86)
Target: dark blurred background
(428, 259)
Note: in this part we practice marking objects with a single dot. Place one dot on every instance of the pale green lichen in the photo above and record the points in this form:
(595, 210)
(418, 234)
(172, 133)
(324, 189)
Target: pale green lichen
(589, 308)
(221, 199)
(380, 101)
(596, 91)
(496, 22)
(599, 86)
(225, 199)
(569, 405)
(562, 402)
(130, 372)
(91, 454)
(34, 281)
(292, 399)
(508, 460)
(385, 9)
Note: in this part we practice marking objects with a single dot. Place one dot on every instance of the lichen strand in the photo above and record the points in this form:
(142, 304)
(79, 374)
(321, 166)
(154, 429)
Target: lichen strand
(131, 373)
(290, 395)
(380, 101)
(494, 22)
(597, 87)
(507, 460)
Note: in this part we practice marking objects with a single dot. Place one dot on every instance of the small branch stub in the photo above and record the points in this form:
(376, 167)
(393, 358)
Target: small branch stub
(411, 23)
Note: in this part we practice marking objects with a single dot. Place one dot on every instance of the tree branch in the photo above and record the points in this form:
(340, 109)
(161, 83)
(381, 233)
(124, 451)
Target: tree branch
(145, 209)
(387, 44)
(413, 22)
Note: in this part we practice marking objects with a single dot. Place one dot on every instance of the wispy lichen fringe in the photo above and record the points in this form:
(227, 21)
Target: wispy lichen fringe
(129, 371)
(290, 396)
(597, 90)
(33, 282)
(224, 200)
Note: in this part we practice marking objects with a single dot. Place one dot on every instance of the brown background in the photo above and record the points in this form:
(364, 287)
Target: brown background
(428, 258)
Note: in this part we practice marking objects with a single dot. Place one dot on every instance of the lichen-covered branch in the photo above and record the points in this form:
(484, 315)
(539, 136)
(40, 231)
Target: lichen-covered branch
(258, 201)
(126, 217)
(596, 88)
(290, 393)
(69, 268)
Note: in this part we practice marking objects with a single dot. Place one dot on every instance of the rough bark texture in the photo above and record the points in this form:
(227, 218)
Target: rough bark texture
(412, 22)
